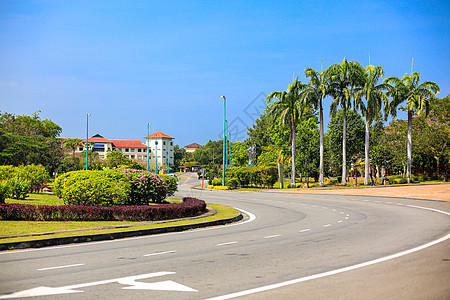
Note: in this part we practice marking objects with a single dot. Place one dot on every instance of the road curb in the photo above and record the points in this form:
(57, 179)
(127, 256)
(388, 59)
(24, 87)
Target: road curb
(113, 235)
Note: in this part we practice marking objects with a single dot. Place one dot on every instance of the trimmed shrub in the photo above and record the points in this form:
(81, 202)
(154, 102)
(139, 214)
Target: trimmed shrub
(145, 187)
(216, 182)
(221, 187)
(105, 188)
(232, 183)
(26, 212)
(171, 183)
(5, 190)
(19, 188)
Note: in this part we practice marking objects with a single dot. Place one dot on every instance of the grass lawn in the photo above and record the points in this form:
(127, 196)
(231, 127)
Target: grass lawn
(24, 227)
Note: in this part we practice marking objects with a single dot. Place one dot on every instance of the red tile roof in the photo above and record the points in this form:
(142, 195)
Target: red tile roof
(193, 145)
(158, 135)
(97, 140)
(128, 144)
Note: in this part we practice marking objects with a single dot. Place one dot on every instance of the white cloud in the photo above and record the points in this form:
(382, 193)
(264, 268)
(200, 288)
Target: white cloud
(9, 83)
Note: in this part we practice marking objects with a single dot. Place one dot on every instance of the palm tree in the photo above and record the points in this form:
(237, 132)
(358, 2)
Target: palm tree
(375, 101)
(288, 108)
(417, 99)
(314, 93)
(344, 79)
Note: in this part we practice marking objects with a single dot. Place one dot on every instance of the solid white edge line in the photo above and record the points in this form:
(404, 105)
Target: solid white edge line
(60, 267)
(329, 273)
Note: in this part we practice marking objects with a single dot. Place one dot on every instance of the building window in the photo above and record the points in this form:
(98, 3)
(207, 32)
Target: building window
(139, 150)
(126, 149)
(132, 156)
(81, 148)
(171, 143)
(164, 142)
(131, 150)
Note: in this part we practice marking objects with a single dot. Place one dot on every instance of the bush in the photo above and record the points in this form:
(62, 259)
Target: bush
(105, 188)
(145, 187)
(19, 188)
(221, 187)
(232, 183)
(23, 178)
(26, 212)
(5, 190)
(216, 182)
(171, 183)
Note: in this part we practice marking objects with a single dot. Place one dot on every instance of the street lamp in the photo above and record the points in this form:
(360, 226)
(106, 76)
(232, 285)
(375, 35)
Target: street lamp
(87, 138)
(224, 138)
(156, 157)
(148, 146)
(229, 151)
(185, 160)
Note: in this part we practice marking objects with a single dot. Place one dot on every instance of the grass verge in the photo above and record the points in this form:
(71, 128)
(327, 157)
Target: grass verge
(15, 227)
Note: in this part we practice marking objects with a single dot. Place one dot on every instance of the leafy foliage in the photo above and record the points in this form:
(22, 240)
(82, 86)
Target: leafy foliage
(26, 212)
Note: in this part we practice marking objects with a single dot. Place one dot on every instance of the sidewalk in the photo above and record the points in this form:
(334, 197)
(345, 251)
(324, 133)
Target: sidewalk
(437, 191)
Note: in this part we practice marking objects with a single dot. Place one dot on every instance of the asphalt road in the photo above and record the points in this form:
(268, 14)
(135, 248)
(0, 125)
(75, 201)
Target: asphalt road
(292, 246)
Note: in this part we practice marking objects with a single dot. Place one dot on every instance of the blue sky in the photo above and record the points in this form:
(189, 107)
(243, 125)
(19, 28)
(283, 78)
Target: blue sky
(128, 63)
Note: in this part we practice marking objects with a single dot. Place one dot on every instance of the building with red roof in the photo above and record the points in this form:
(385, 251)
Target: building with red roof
(163, 147)
(192, 147)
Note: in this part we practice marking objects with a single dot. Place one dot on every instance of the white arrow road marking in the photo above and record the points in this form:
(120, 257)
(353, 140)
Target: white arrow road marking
(168, 285)
(131, 280)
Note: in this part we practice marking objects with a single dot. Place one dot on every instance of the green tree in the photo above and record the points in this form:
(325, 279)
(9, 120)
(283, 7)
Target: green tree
(72, 144)
(371, 100)
(344, 78)
(355, 138)
(315, 92)
(417, 97)
(288, 108)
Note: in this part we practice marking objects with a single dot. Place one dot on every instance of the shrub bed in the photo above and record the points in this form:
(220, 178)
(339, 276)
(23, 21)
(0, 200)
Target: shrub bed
(17, 182)
(26, 212)
(113, 187)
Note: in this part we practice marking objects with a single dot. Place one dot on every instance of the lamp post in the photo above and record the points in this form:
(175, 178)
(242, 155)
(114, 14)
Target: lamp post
(168, 158)
(87, 138)
(224, 138)
(156, 157)
(229, 151)
(185, 160)
(148, 146)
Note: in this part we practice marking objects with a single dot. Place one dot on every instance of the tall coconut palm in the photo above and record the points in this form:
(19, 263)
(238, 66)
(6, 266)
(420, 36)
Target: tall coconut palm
(314, 94)
(345, 78)
(417, 97)
(288, 108)
(375, 101)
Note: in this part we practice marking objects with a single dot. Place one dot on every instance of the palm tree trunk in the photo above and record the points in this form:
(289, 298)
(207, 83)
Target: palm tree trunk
(366, 150)
(344, 147)
(409, 148)
(293, 156)
(321, 182)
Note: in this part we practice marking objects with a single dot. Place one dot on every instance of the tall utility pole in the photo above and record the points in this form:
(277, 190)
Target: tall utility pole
(87, 138)
(148, 146)
(224, 138)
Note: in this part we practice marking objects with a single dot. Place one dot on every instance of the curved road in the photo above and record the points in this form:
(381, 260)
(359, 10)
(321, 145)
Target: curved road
(292, 246)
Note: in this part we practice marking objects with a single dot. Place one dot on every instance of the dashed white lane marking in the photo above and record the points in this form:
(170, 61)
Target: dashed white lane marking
(159, 253)
(329, 273)
(227, 243)
(272, 236)
(342, 212)
(334, 209)
(60, 267)
(340, 221)
(305, 230)
(327, 225)
(346, 218)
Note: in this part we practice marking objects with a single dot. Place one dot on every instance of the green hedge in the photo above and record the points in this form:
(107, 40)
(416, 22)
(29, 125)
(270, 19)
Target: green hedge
(17, 182)
(113, 187)
(261, 176)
